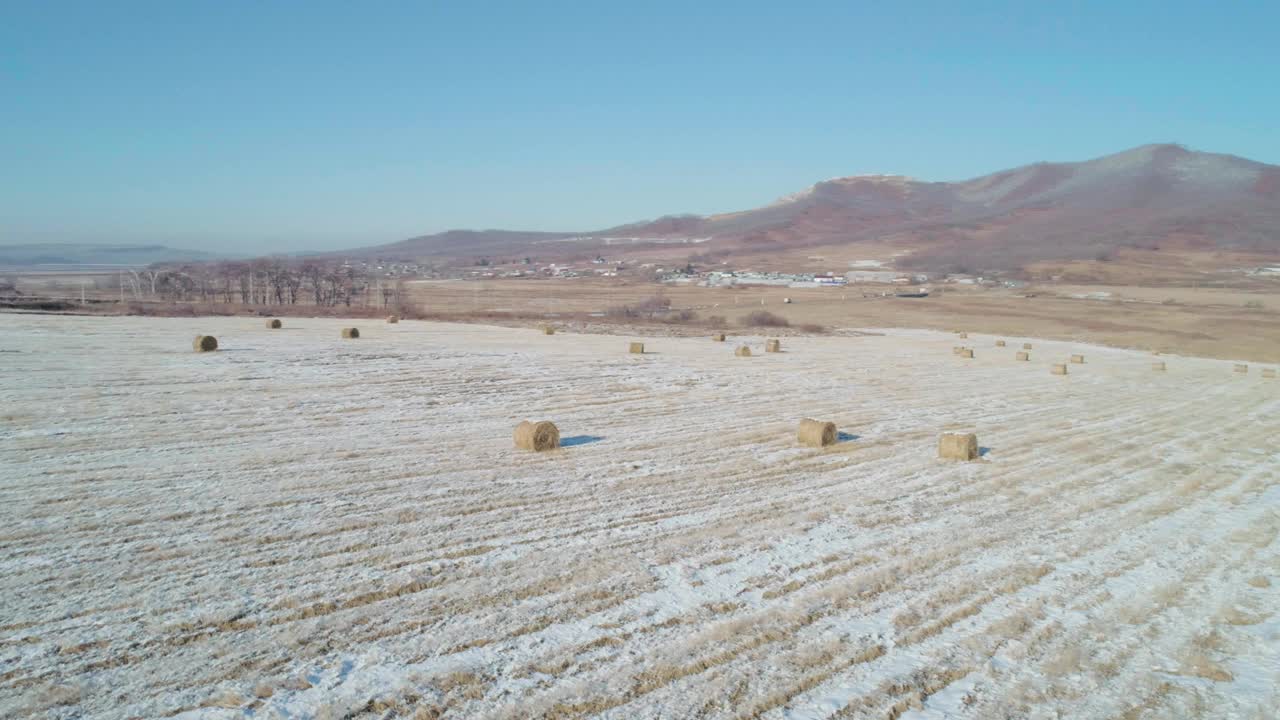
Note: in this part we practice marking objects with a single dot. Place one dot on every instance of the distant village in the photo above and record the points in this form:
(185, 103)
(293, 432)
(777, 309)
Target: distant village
(600, 267)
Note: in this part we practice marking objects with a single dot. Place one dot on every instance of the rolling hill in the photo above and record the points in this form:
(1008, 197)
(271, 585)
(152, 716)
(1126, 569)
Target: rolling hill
(1150, 197)
(33, 256)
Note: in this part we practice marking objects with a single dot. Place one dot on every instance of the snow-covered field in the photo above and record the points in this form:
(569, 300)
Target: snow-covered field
(301, 526)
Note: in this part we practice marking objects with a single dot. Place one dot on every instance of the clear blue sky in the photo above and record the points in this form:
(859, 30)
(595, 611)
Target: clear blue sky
(260, 126)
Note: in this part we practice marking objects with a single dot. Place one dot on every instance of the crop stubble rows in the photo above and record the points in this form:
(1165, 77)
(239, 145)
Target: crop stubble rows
(286, 523)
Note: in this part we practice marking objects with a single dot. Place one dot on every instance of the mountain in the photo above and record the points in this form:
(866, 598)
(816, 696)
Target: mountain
(1150, 197)
(71, 255)
(458, 243)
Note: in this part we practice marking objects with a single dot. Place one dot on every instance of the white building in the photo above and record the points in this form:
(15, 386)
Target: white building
(871, 276)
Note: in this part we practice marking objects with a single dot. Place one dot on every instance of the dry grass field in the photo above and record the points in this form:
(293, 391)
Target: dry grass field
(1207, 322)
(301, 526)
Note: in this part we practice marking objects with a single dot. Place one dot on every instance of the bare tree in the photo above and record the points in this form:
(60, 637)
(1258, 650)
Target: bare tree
(276, 274)
(226, 278)
(313, 273)
(153, 275)
(292, 284)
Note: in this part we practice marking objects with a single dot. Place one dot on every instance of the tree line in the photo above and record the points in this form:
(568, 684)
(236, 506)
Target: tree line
(267, 281)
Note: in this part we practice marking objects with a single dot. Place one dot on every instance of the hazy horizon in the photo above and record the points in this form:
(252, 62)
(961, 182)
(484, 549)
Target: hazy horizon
(244, 129)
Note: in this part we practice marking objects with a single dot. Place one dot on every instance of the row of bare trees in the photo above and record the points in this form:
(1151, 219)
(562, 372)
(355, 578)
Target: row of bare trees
(268, 281)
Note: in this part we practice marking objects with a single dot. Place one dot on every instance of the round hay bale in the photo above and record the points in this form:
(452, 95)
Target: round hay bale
(1023, 356)
(742, 351)
(1026, 346)
(393, 319)
(351, 333)
(537, 436)
(274, 324)
(548, 330)
(718, 337)
(637, 348)
(1058, 369)
(966, 353)
(1241, 368)
(205, 343)
(773, 345)
(958, 446)
(999, 343)
(1158, 367)
(816, 433)
(1077, 359)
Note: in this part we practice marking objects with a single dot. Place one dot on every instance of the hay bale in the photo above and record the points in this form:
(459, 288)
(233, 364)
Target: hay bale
(205, 343)
(1241, 368)
(548, 330)
(966, 353)
(393, 319)
(1023, 356)
(350, 333)
(718, 337)
(1268, 373)
(274, 324)
(1058, 369)
(955, 349)
(637, 348)
(537, 436)
(742, 351)
(1158, 367)
(958, 446)
(1026, 346)
(773, 345)
(964, 336)
(999, 343)
(1077, 359)
(816, 433)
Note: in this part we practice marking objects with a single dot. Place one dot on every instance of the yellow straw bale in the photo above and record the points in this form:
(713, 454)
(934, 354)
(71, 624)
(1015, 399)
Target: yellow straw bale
(816, 433)
(537, 436)
(958, 446)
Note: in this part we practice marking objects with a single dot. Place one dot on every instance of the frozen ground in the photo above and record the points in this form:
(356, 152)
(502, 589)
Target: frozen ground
(301, 526)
